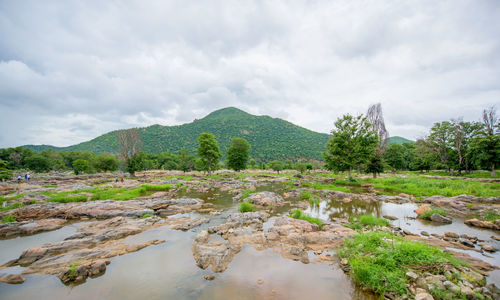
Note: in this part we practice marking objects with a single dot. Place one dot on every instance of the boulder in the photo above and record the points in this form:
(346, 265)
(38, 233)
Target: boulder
(482, 224)
(441, 219)
(422, 209)
(266, 199)
(12, 279)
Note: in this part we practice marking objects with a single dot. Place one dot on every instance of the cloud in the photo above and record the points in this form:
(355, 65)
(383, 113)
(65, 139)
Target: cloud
(70, 71)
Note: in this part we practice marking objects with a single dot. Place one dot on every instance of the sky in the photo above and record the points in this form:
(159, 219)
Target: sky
(73, 70)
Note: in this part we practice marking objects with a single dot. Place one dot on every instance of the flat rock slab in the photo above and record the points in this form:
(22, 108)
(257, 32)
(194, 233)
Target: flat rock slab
(27, 228)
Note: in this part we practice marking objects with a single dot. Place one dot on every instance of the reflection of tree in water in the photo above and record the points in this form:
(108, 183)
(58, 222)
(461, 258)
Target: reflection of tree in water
(339, 209)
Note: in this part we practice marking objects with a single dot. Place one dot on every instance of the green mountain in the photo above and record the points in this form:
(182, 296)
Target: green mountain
(269, 138)
(399, 140)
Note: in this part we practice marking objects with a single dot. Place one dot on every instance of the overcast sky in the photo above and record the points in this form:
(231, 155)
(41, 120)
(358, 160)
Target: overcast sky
(72, 70)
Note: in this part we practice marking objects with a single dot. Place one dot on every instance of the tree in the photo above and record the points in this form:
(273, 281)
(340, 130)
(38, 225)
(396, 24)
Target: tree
(301, 167)
(440, 140)
(252, 163)
(5, 174)
(136, 163)
(208, 151)
(186, 161)
(462, 134)
(375, 165)
(106, 162)
(130, 142)
(37, 163)
(351, 144)
(394, 156)
(82, 166)
(486, 145)
(277, 165)
(237, 154)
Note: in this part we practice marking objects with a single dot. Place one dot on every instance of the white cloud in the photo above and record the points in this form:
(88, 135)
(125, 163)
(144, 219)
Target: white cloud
(70, 71)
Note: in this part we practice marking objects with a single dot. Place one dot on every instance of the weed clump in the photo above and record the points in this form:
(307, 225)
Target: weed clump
(246, 193)
(427, 215)
(146, 216)
(299, 214)
(246, 207)
(380, 260)
(305, 195)
(8, 218)
(491, 216)
(358, 222)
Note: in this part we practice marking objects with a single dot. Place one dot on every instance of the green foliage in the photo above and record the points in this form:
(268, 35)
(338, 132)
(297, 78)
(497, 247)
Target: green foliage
(11, 206)
(427, 215)
(305, 195)
(82, 166)
(351, 144)
(37, 163)
(67, 198)
(237, 154)
(146, 216)
(398, 140)
(106, 162)
(491, 216)
(246, 207)
(246, 193)
(358, 222)
(379, 260)
(138, 162)
(301, 215)
(314, 201)
(277, 165)
(208, 151)
(72, 268)
(8, 218)
(375, 165)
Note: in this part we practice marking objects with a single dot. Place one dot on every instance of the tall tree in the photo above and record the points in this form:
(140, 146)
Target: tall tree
(237, 154)
(351, 144)
(441, 139)
(186, 161)
(208, 151)
(487, 143)
(130, 142)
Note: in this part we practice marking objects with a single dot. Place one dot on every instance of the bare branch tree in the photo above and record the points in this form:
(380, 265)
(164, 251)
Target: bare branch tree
(130, 141)
(376, 118)
(490, 119)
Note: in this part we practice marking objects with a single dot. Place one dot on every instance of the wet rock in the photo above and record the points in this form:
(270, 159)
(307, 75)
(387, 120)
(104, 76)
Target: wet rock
(235, 220)
(451, 287)
(424, 233)
(218, 254)
(295, 253)
(209, 277)
(488, 248)
(496, 238)
(266, 199)
(12, 279)
(412, 276)
(482, 224)
(27, 228)
(451, 235)
(390, 217)
(467, 243)
(80, 273)
(191, 224)
(441, 219)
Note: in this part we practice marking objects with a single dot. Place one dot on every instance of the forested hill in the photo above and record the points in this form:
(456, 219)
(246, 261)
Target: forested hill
(270, 138)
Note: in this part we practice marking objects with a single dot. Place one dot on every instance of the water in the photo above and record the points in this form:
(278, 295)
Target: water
(168, 270)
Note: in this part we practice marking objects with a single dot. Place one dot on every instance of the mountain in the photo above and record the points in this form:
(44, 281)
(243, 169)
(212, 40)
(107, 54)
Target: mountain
(269, 138)
(399, 140)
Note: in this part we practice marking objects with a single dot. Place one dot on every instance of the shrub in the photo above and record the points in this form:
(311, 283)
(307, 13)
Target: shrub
(246, 207)
(299, 214)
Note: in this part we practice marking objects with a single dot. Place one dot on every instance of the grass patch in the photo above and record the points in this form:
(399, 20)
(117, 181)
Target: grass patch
(72, 268)
(8, 218)
(49, 185)
(11, 206)
(314, 201)
(379, 261)
(246, 207)
(427, 215)
(491, 216)
(67, 198)
(306, 195)
(299, 214)
(246, 193)
(358, 222)
(157, 187)
(146, 216)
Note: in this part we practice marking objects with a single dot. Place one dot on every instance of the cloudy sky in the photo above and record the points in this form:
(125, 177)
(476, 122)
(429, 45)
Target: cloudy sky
(72, 70)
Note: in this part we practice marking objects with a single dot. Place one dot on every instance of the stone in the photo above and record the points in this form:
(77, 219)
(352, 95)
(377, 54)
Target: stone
(266, 199)
(488, 248)
(496, 238)
(209, 277)
(412, 276)
(423, 296)
(424, 233)
(482, 224)
(467, 243)
(422, 209)
(390, 217)
(451, 286)
(451, 235)
(441, 219)
(12, 279)
(260, 281)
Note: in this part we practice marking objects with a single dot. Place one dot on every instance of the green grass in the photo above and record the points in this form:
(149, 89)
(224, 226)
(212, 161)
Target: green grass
(491, 216)
(49, 185)
(474, 174)
(11, 206)
(379, 261)
(331, 186)
(146, 216)
(246, 207)
(8, 218)
(427, 215)
(315, 200)
(72, 268)
(358, 222)
(305, 195)
(299, 214)
(67, 198)
(246, 193)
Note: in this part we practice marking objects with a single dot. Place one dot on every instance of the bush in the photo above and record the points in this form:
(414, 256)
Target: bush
(299, 214)
(246, 207)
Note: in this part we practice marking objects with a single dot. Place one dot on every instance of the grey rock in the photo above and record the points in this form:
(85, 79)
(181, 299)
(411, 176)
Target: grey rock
(441, 219)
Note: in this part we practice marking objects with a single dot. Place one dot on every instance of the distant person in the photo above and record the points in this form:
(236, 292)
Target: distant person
(116, 179)
(18, 178)
(26, 176)
(121, 179)
(29, 176)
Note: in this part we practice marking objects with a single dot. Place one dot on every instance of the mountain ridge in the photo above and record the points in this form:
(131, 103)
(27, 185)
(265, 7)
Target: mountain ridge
(270, 138)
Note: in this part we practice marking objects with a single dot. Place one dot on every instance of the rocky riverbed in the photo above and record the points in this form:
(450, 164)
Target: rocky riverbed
(204, 210)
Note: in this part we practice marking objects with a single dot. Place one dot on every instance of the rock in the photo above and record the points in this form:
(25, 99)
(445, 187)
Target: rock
(12, 279)
(488, 248)
(28, 228)
(390, 217)
(466, 242)
(411, 275)
(451, 235)
(422, 209)
(451, 287)
(435, 281)
(191, 224)
(209, 277)
(467, 291)
(266, 199)
(424, 233)
(496, 238)
(482, 224)
(441, 219)
(260, 281)
(423, 296)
